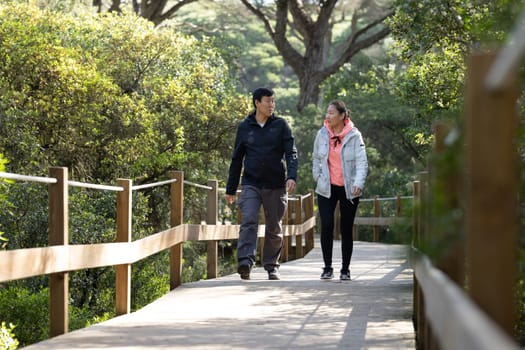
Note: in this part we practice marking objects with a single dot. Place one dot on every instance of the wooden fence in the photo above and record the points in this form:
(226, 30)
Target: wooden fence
(60, 257)
(377, 220)
(465, 297)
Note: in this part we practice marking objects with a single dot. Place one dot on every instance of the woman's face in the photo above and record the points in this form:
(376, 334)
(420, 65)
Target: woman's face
(335, 119)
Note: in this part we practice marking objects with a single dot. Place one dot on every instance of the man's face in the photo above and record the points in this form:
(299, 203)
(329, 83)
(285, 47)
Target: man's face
(266, 106)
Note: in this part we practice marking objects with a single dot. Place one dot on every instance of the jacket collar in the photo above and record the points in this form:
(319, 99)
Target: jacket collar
(252, 120)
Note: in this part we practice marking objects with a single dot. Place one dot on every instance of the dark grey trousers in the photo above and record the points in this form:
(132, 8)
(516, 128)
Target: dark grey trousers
(274, 202)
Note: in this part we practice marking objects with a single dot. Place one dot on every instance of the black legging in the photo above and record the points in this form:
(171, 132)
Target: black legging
(326, 212)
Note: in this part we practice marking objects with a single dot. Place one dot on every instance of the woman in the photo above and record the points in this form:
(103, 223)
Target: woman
(339, 167)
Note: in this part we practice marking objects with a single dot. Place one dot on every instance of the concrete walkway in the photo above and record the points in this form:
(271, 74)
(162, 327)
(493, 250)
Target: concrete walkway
(373, 311)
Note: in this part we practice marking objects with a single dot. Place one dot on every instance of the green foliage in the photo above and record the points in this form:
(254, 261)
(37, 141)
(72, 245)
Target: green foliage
(402, 232)
(24, 218)
(27, 310)
(83, 317)
(434, 51)
(305, 126)
(111, 96)
(3, 200)
(433, 38)
(7, 337)
(106, 96)
(245, 45)
(150, 279)
(194, 254)
(164, 100)
(441, 202)
(227, 259)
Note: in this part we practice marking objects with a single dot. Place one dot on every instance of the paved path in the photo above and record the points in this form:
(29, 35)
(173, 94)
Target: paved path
(373, 311)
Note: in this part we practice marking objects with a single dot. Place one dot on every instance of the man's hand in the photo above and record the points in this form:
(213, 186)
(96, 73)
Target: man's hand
(290, 185)
(356, 191)
(230, 198)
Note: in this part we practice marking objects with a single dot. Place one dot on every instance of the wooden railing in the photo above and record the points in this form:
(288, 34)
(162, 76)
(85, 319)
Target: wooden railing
(466, 296)
(60, 257)
(378, 220)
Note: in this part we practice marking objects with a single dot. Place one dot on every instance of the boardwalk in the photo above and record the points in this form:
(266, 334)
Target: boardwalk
(373, 311)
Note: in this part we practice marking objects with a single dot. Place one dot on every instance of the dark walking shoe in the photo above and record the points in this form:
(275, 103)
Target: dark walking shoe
(328, 273)
(244, 271)
(274, 274)
(345, 276)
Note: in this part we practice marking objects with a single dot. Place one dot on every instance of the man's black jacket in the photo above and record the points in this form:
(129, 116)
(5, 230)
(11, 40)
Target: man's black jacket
(263, 150)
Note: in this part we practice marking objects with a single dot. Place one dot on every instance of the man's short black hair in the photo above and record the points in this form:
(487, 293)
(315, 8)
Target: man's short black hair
(259, 93)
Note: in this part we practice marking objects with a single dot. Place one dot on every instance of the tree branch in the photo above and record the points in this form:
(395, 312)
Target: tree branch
(351, 45)
(301, 21)
(278, 35)
(168, 14)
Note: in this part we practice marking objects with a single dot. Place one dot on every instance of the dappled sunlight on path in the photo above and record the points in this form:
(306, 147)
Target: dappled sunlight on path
(373, 311)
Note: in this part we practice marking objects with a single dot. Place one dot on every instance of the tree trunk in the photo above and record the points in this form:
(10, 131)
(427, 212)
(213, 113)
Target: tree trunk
(315, 64)
(321, 56)
(309, 91)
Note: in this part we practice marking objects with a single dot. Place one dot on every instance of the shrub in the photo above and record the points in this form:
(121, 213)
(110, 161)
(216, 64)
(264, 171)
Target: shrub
(7, 337)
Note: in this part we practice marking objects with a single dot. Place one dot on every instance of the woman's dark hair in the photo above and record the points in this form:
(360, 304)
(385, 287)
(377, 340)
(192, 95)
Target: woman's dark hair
(341, 107)
(259, 93)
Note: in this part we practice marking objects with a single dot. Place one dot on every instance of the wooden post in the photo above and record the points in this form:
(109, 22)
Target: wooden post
(123, 272)
(418, 311)
(377, 213)
(58, 235)
(398, 206)
(416, 216)
(492, 218)
(424, 208)
(309, 213)
(176, 218)
(299, 252)
(292, 219)
(285, 253)
(419, 323)
(445, 181)
(211, 219)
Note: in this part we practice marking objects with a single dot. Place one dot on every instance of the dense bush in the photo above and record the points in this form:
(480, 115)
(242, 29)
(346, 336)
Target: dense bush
(108, 97)
(28, 311)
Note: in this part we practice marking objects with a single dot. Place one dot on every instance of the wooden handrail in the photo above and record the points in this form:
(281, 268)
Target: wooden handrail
(24, 263)
(60, 258)
(454, 318)
(469, 300)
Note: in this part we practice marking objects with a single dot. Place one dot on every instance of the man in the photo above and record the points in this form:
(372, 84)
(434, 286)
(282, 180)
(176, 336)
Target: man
(261, 143)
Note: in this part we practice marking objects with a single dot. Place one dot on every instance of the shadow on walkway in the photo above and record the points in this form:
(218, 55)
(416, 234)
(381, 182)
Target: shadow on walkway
(373, 311)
